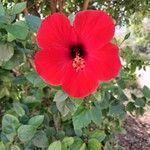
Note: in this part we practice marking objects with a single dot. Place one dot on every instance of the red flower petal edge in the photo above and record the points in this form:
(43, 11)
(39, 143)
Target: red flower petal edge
(79, 56)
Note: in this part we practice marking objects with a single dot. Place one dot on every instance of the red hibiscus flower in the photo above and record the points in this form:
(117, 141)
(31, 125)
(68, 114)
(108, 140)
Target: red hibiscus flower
(77, 56)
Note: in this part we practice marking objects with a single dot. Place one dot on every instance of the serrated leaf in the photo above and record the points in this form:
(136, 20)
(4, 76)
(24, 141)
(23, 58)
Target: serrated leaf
(34, 78)
(96, 115)
(60, 96)
(81, 119)
(146, 92)
(140, 102)
(15, 147)
(99, 135)
(6, 52)
(19, 30)
(55, 146)
(77, 144)
(10, 124)
(83, 147)
(36, 121)
(33, 22)
(60, 99)
(18, 109)
(18, 8)
(93, 144)
(16, 60)
(117, 109)
(26, 132)
(67, 141)
(40, 139)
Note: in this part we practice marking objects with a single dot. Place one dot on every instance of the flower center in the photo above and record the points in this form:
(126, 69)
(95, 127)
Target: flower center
(78, 63)
(77, 49)
(77, 53)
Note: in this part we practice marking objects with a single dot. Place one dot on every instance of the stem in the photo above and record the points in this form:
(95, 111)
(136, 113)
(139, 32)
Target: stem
(53, 4)
(86, 4)
(61, 4)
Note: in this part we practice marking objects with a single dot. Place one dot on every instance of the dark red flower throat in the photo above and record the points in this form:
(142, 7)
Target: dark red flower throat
(77, 53)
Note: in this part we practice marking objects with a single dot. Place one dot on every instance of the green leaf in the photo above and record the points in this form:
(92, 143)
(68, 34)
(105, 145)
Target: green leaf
(93, 144)
(40, 140)
(60, 99)
(36, 121)
(15, 147)
(96, 115)
(127, 36)
(9, 124)
(16, 60)
(2, 146)
(117, 109)
(33, 22)
(118, 148)
(2, 10)
(71, 17)
(26, 132)
(105, 100)
(60, 96)
(107, 146)
(140, 102)
(77, 144)
(81, 119)
(18, 8)
(67, 142)
(83, 147)
(34, 78)
(3, 20)
(55, 146)
(146, 92)
(121, 83)
(6, 52)
(19, 30)
(18, 109)
(99, 135)
(130, 107)
(97, 95)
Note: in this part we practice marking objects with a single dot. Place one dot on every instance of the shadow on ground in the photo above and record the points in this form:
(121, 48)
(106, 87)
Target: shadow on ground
(138, 133)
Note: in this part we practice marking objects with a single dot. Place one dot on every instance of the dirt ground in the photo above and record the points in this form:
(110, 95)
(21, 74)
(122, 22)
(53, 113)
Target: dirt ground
(137, 135)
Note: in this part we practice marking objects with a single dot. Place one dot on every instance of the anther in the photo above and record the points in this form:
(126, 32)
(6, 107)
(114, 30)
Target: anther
(78, 63)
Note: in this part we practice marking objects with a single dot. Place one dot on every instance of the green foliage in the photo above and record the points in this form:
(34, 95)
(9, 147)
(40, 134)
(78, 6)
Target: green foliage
(26, 132)
(55, 146)
(6, 52)
(35, 115)
(18, 8)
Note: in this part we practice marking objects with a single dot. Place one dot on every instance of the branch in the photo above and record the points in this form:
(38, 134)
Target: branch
(53, 4)
(61, 4)
(86, 4)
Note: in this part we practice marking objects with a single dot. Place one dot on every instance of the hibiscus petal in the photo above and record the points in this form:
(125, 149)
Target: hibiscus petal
(55, 31)
(94, 28)
(51, 65)
(109, 62)
(79, 84)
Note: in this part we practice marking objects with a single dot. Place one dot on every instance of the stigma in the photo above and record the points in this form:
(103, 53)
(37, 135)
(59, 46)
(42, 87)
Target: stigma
(78, 63)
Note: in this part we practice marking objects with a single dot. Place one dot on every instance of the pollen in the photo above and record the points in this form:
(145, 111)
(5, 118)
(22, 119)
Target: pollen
(78, 63)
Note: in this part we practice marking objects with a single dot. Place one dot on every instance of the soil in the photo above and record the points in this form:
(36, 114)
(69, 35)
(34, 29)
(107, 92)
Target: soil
(137, 135)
